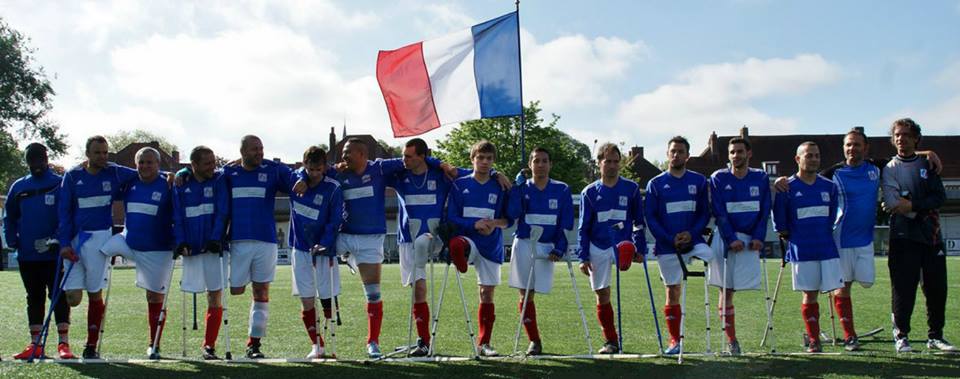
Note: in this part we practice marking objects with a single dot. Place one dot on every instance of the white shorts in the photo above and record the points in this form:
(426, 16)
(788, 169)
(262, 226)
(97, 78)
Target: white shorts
(407, 265)
(488, 272)
(91, 271)
(542, 280)
(302, 272)
(254, 261)
(856, 265)
(823, 276)
(363, 248)
(601, 264)
(201, 273)
(153, 269)
(744, 270)
(670, 271)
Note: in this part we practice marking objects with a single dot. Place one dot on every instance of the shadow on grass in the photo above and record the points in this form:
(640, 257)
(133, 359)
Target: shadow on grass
(746, 367)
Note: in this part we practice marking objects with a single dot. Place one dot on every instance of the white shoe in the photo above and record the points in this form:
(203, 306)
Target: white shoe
(487, 351)
(941, 344)
(903, 345)
(316, 352)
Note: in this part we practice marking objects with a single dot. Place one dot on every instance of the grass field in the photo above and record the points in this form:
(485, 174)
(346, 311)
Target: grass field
(126, 333)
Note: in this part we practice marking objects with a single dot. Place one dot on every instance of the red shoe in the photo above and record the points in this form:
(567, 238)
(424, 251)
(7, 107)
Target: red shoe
(63, 349)
(31, 350)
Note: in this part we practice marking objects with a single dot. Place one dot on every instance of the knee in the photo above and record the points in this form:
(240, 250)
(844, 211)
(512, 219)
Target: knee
(372, 291)
(74, 297)
(154, 297)
(237, 290)
(213, 299)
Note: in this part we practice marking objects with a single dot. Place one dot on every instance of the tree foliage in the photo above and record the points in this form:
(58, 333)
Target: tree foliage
(570, 157)
(121, 139)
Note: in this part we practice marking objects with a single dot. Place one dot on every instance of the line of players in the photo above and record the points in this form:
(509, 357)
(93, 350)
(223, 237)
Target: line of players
(339, 210)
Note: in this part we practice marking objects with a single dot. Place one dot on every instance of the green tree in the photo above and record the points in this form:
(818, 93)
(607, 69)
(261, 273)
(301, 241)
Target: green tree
(121, 139)
(570, 157)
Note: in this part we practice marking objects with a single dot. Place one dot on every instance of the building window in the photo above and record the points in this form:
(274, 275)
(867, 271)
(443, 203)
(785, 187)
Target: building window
(770, 167)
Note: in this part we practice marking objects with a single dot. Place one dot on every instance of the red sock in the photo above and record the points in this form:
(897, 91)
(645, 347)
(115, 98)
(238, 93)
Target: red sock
(605, 316)
(421, 317)
(94, 318)
(310, 322)
(153, 315)
(729, 328)
(253, 341)
(811, 318)
(530, 320)
(672, 314)
(844, 307)
(213, 319)
(486, 316)
(374, 320)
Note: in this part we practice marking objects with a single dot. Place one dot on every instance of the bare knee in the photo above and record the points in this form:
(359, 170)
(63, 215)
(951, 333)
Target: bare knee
(486, 294)
(673, 294)
(213, 299)
(74, 297)
(420, 291)
(603, 296)
(154, 297)
(810, 297)
(261, 292)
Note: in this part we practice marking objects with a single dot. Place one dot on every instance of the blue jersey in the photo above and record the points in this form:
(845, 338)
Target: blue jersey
(808, 213)
(316, 216)
(858, 188)
(601, 208)
(420, 197)
(363, 195)
(550, 209)
(740, 205)
(252, 197)
(149, 214)
(85, 199)
(31, 216)
(469, 202)
(675, 205)
(201, 211)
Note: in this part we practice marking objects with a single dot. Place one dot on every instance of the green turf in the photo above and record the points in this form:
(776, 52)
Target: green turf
(126, 333)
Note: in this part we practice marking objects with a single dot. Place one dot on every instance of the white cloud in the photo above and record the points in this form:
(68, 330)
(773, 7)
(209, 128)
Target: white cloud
(441, 19)
(950, 76)
(719, 97)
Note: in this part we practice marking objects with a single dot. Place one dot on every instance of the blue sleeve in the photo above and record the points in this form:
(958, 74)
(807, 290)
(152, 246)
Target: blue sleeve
(65, 211)
(515, 203)
(126, 175)
(780, 205)
(703, 209)
(834, 200)
(395, 165)
(760, 229)
(334, 219)
(11, 219)
(179, 217)
(639, 227)
(586, 226)
(454, 206)
(503, 202)
(221, 209)
(720, 212)
(461, 172)
(650, 208)
(565, 222)
(287, 178)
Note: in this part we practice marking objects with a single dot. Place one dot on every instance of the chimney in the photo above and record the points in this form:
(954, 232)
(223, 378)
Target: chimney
(332, 146)
(744, 132)
(712, 145)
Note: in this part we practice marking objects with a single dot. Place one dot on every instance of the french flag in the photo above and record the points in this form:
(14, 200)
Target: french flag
(471, 74)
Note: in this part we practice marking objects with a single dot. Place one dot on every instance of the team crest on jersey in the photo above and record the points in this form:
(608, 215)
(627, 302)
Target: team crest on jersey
(923, 173)
(873, 175)
(318, 200)
(207, 191)
(754, 191)
(825, 196)
(553, 204)
(106, 186)
(492, 198)
(623, 201)
(431, 185)
(262, 177)
(156, 196)
(49, 199)
(692, 189)
(365, 178)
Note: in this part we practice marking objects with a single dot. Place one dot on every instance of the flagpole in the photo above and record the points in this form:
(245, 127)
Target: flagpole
(523, 143)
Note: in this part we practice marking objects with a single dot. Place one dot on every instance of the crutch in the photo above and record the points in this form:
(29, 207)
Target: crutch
(706, 291)
(766, 293)
(723, 295)
(683, 299)
(333, 326)
(616, 259)
(535, 233)
(773, 303)
(154, 354)
(195, 326)
(833, 320)
(183, 316)
(653, 307)
(224, 297)
(414, 228)
(466, 316)
(315, 294)
(576, 294)
(57, 294)
(106, 302)
(439, 305)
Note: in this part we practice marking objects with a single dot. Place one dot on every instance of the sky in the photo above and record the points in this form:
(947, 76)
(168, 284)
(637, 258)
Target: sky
(630, 72)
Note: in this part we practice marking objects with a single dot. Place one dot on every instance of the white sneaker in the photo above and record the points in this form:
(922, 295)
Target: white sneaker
(903, 345)
(487, 351)
(316, 352)
(942, 345)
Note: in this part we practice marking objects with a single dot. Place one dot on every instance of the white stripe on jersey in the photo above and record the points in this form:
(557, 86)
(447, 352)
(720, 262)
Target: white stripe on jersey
(681, 206)
(142, 208)
(815, 211)
(306, 211)
(93, 201)
(481, 213)
(743, 206)
(358, 193)
(428, 199)
(540, 219)
(245, 192)
(199, 210)
(612, 214)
